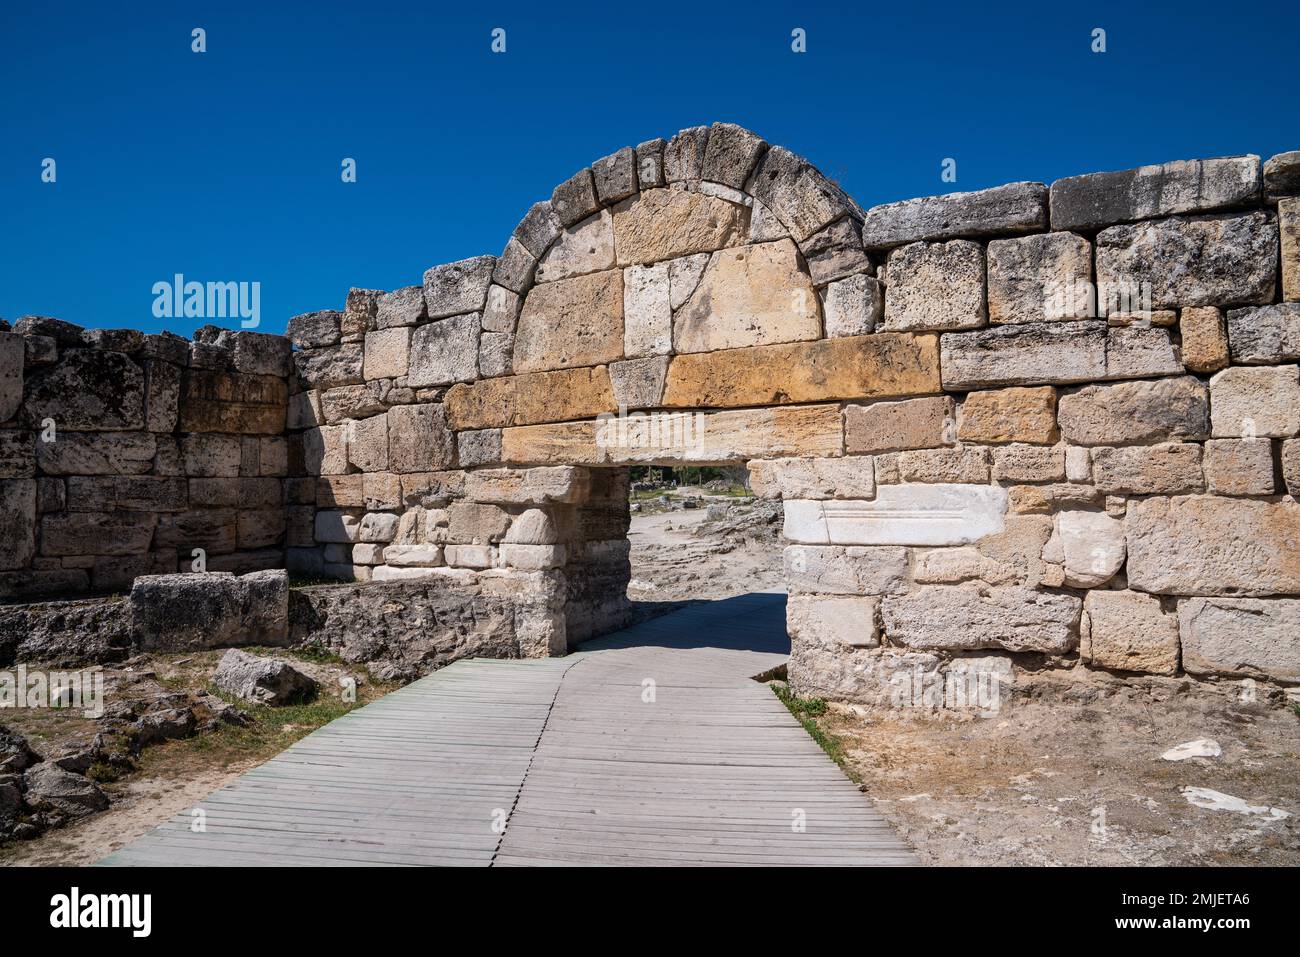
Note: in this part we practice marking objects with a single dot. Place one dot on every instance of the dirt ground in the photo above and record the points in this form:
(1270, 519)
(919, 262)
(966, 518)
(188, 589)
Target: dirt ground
(172, 776)
(1068, 771)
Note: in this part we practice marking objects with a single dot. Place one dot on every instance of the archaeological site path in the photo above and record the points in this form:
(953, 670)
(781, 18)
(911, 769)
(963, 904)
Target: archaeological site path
(651, 746)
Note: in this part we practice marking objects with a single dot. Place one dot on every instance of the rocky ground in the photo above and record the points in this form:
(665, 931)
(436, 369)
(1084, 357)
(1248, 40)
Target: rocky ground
(1068, 771)
(175, 727)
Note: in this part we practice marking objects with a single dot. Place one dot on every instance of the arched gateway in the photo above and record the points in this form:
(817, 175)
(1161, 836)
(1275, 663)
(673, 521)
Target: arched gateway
(1006, 421)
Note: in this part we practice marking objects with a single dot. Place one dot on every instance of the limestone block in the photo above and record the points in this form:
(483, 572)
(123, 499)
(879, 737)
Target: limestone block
(1291, 466)
(399, 309)
(1282, 175)
(1128, 631)
(684, 274)
(162, 388)
(444, 352)
(1164, 469)
(419, 439)
(852, 306)
(86, 389)
(1229, 260)
(1024, 354)
(18, 517)
(935, 286)
(1001, 211)
(1241, 636)
(341, 490)
(377, 527)
(1009, 415)
(801, 197)
(765, 227)
(833, 253)
(730, 436)
(516, 267)
(260, 527)
(469, 556)
(1135, 351)
(532, 527)
(730, 154)
(1266, 335)
(1135, 412)
(217, 609)
(96, 453)
(325, 368)
(854, 570)
(949, 566)
(1288, 218)
(315, 330)
(387, 353)
(459, 287)
(897, 426)
(904, 514)
(639, 383)
(480, 447)
(502, 310)
(368, 443)
(12, 357)
(325, 450)
(850, 477)
(748, 296)
(1040, 278)
(684, 154)
(1205, 338)
(661, 224)
(1239, 466)
(413, 556)
(575, 198)
(968, 464)
(571, 322)
(650, 163)
(647, 315)
(878, 366)
(530, 399)
(585, 247)
(18, 453)
(495, 350)
(615, 176)
(334, 525)
(1090, 546)
(533, 557)
(1255, 401)
(535, 486)
(1019, 462)
(1184, 186)
(1208, 545)
(361, 312)
(842, 620)
(969, 616)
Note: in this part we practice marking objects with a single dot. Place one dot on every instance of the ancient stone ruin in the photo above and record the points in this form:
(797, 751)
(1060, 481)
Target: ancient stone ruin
(1050, 421)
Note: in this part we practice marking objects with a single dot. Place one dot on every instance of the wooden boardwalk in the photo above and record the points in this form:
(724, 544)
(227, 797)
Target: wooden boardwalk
(649, 747)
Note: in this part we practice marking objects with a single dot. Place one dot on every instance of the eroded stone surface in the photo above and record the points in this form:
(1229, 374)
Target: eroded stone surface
(968, 616)
(1241, 636)
(1253, 401)
(904, 514)
(1128, 631)
(935, 286)
(1002, 210)
(1031, 353)
(571, 322)
(663, 224)
(849, 477)
(1136, 412)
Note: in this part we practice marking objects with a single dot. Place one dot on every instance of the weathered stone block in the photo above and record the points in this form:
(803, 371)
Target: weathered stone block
(663, 224)
(650, 163)
(444, 352)
(1196, 261)
(935, 286)
(18, 518)
(368, 443)
(535, 486)
(1205, 338)
(325, 450)
(419, 439)
(849, 621)
(835, 570)
(883, 365)
(328, 367)
(833, 253)
(1241, 636)
(585, 247)
(1255, 401)
(1135, 351)
(749, 296)
(502, 310)
(731, 436)
(910, 514)
(897, 426)
(1003, 210)
(315, 330)
(1136, 412)
(1165, 469)
(458, 287)
(1207, 545)
(1128, 631)
(852, 306)
(801, 197)
(968, 616)
(647, 314)
(684, 154)
(1024, 354)
(1095, 200)
(1282, 174)
(1088, 545)
(333, 525)
(1239, 466)
(639, 383)
(1267, 335)
(1039, 278)
(1288, 220)
(516, 267)
(12, 357)
(387, 353)
(193, 612)
(83, 533)
(1019, 462)
(533, 557)
(730, 154)
(18, 454)
(87, 389)
(1291, 466)
(529, 399)
(850, 477)
(615, 176)
(571, 322)
(1009, 415)
(963, 465)
(575, 198)
(97, 453)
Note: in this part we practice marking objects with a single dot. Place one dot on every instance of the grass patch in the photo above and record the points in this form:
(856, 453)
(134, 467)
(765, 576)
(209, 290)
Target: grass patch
(806, 711)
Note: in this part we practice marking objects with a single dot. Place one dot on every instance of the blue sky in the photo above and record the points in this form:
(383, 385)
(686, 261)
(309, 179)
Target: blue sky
(225, 166)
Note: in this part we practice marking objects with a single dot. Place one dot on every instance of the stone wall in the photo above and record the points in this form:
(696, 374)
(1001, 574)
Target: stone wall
(1058, 420)
(121, 453)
